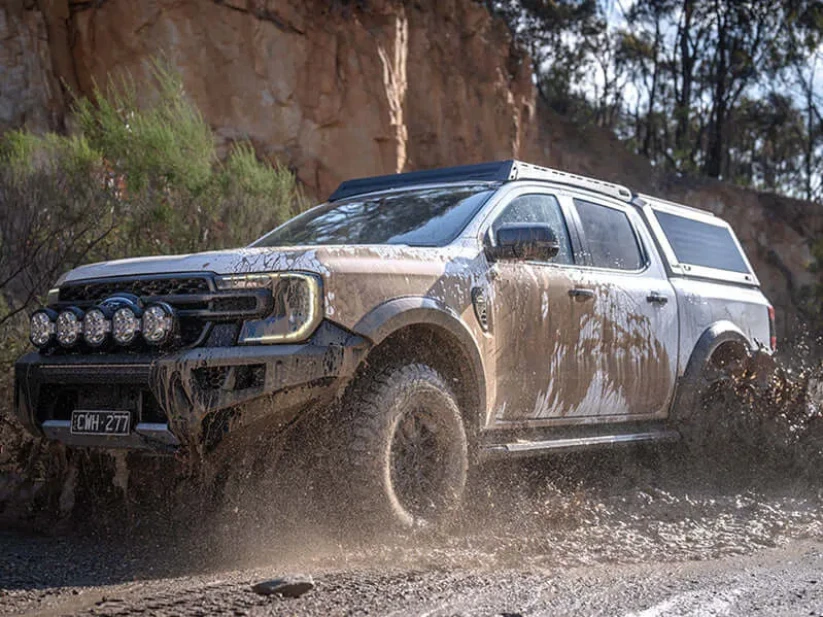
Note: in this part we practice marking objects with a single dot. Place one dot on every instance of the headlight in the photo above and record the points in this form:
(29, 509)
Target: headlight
(158, 323)
(124, 325)
(42, 327)
(69, 326)
(297, 306)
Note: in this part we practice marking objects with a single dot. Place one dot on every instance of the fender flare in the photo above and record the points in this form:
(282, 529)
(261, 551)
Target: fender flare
(719, 333)
(389, 317)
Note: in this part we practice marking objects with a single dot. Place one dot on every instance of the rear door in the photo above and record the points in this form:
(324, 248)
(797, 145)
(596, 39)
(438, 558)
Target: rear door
(629, 349)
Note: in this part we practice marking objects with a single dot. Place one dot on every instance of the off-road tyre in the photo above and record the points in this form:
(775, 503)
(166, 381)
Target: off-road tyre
(402, 450)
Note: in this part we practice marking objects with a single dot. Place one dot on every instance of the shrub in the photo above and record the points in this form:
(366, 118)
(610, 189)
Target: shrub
(134, 180)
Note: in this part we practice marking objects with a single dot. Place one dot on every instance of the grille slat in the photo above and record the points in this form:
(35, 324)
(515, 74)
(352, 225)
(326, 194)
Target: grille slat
(234, 304)
(98, 291)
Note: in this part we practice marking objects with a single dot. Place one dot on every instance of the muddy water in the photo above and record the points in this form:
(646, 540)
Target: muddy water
(752, 481)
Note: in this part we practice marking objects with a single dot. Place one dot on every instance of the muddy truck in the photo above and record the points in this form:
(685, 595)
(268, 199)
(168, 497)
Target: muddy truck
(435, 318)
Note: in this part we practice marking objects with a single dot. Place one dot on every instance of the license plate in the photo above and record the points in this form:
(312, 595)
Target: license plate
(100, 422)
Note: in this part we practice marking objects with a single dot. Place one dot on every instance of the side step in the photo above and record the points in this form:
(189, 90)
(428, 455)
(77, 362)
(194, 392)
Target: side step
(569, 444)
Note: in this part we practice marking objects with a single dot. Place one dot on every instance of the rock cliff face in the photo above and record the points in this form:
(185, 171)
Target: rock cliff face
(343, 88)
(30, 95)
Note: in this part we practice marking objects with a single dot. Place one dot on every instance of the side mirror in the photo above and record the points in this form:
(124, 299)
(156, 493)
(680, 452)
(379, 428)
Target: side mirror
(525, 242)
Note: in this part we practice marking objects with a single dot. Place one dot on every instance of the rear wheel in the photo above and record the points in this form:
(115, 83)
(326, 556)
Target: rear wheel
(404, 449)
(705, 412)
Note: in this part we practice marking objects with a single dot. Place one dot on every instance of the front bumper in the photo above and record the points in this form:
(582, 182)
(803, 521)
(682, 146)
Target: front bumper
(189, 398)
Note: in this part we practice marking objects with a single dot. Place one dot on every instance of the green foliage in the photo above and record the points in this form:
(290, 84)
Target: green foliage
(166, 144)
(140, 176)
(23, 153)
(249, 186)
(559, 35)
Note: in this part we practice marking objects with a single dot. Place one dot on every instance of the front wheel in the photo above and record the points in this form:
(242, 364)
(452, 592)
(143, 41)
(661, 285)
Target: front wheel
(404, 449)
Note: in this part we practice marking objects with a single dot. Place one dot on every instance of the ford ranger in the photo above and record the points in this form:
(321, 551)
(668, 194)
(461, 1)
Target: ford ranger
(445, 316)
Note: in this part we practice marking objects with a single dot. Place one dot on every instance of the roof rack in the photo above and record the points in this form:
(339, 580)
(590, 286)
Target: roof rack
(498, 171)
(671, 204)
(526, 171)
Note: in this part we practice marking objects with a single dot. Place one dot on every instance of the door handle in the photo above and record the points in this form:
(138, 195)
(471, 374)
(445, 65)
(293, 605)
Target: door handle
(656, 298)
(580, 293)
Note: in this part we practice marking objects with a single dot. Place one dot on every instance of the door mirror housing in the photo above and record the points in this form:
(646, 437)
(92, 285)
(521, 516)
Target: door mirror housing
(524, 242)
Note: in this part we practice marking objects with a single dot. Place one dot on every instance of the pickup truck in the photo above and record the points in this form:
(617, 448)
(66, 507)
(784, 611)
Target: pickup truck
(437, 318)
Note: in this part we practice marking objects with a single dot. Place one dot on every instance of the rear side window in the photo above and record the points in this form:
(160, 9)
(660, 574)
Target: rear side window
(609, 236)
(702, 244)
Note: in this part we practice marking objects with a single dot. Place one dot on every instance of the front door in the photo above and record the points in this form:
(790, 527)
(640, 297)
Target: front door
(537, 309)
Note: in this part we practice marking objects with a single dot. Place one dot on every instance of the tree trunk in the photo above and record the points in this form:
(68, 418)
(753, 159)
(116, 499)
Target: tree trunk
(714, 151)
(683, 104)
(808, 162)
(650, 121)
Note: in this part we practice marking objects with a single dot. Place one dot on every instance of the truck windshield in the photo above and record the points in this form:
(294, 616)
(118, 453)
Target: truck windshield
(419, 217)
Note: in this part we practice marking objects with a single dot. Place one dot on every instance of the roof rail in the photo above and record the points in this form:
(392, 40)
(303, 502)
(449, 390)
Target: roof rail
(671, 204)
(498, 171)
(527, 171)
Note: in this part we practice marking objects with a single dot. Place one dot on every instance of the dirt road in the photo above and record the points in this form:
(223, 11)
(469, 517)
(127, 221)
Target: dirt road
(785, 581)
(590, 536)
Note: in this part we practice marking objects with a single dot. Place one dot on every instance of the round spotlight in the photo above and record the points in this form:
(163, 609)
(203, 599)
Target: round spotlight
(96, 327)
(158, 323)
(41, 330)
(124, 325)
(69, 326)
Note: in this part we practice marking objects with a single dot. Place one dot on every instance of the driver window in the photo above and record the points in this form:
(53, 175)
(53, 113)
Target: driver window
(539, 209)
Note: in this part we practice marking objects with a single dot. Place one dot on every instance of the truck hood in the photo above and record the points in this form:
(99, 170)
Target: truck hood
(219, 262)
(322, 260)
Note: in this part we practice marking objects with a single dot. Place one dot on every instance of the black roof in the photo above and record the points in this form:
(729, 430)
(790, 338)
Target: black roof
(497, 171)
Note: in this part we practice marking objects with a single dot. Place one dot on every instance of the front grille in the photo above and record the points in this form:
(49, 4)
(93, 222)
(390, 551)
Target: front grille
(192, 330)
(141, 287)
(202, 311)
(234, 304)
